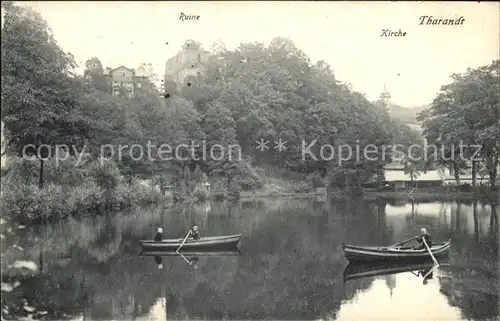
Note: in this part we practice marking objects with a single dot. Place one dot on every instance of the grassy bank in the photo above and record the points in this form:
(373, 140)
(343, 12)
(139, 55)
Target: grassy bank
(279, 183)
(28, 204)
(75, 190)
(254, 181)
(438, 195)
(69, 191)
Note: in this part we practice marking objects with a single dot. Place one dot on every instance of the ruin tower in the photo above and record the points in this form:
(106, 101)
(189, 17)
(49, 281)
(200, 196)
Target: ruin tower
(191, 61)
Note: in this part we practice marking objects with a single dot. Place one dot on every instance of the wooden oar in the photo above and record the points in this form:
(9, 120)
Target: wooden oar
(185, 259)
(429, 272)
(187, 235)
(430, 252)
(405, 241)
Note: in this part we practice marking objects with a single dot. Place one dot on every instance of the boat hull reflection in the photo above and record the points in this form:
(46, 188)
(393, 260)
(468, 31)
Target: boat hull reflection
(355, 271)
(191, 253)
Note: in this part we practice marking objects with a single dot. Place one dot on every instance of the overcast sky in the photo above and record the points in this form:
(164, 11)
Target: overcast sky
(346, 35)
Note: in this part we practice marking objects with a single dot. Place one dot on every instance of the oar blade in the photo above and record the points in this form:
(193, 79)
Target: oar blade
(184, 241)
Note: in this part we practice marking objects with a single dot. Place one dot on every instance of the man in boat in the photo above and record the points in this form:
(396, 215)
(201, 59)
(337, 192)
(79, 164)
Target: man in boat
(420, 239)
(159, 235)
(195, 233)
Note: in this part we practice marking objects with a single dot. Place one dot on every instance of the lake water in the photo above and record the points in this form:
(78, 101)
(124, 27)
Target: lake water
(291, 266)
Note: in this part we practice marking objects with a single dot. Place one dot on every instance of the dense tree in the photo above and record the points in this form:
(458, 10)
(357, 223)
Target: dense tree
(146, 70)
(465, 115)
(255, 92)
(39, 93)
(44, 103)
(275, 93)
(94, 75)
(224, 150)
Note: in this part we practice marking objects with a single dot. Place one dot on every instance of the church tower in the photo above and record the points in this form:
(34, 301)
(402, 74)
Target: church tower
(385, 97)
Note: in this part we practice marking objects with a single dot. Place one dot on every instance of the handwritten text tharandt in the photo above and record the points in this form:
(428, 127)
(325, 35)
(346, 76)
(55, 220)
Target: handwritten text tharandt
(430, 20)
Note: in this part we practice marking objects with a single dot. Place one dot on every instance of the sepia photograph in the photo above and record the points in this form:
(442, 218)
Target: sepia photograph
(250, 160)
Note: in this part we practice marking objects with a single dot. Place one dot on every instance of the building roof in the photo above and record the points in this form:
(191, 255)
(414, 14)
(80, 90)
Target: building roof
(392, 166)
(122, 66)
(399, 175)
(468, 177)
(108, 71)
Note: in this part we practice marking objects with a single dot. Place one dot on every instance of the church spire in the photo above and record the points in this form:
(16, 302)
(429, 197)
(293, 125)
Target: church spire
(385, 97)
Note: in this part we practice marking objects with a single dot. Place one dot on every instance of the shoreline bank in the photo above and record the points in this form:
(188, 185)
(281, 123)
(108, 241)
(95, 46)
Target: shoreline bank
(493, 196)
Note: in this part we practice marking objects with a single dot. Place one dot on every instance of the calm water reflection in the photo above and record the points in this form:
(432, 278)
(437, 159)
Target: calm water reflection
(291, 268)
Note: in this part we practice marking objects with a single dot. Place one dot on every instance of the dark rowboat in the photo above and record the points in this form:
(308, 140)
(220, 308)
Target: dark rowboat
(355, 253)
(215, 243)
(355, 271)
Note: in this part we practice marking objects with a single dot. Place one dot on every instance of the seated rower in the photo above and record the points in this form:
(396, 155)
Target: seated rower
(423, 236)
(159, 235)
(195, 234)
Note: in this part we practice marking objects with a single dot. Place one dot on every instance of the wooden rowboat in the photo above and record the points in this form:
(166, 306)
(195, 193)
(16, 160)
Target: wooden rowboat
(215, 243)
(355, 253)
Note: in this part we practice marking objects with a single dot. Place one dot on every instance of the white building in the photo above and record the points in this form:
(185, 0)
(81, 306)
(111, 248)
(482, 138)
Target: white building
(394, 172)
